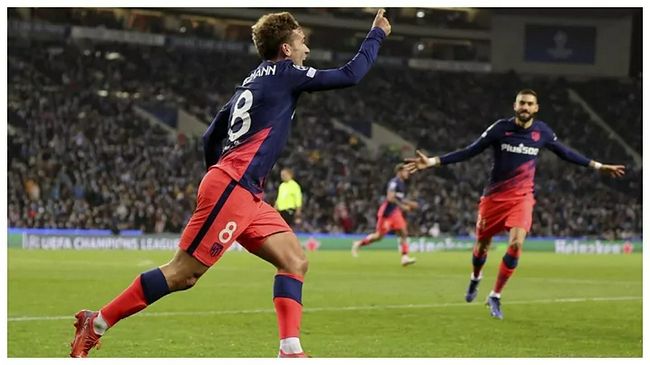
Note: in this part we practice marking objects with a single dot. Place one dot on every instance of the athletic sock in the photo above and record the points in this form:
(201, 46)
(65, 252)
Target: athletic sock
(506, 268)
(478, 261)
(287, 299)
(99, 324)
(290, 345)
(147, 288)
(404, 247)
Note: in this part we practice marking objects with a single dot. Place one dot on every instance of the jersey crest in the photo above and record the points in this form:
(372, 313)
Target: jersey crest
(535, 135)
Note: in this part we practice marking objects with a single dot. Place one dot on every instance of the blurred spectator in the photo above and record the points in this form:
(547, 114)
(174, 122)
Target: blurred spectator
(80, 157)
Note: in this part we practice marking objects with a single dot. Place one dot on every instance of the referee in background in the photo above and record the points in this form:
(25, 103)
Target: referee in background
(289, 201)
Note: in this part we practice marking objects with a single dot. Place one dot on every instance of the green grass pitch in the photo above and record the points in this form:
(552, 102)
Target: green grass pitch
(554, 306)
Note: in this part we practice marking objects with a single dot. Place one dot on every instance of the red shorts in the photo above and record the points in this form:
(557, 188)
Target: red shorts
(395, 221)
(497, 215)
(226, 212)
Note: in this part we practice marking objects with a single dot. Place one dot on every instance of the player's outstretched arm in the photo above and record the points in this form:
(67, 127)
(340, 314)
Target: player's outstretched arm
(420, 162)
(352, 72)
(570, 155)
(609, 170)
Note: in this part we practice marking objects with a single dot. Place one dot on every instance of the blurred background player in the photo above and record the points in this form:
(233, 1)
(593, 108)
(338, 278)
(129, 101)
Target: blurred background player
(289, 201)
(241, 146)
(508, 199)
(390, 216)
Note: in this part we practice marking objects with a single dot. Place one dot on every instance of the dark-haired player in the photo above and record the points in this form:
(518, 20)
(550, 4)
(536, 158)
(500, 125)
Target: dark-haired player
(508, 200)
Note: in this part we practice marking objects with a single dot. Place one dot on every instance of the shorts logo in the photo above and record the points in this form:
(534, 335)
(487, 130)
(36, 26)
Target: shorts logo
(216, 249)
(535, 135)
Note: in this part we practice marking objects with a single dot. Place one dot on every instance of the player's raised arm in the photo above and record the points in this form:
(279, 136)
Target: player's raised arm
(310, 79)
(381, 22)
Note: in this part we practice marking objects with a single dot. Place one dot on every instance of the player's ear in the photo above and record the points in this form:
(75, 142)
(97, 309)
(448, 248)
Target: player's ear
(285, 49)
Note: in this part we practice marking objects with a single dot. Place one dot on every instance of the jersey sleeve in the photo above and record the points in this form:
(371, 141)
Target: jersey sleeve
(392, 186)
(491, 134)
(311, 79)
(215, 134)
(563, 151)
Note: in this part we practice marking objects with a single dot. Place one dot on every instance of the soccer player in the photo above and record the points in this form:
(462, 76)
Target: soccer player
(507, 201)
(241, 146)
(390, 217)
(289, 200)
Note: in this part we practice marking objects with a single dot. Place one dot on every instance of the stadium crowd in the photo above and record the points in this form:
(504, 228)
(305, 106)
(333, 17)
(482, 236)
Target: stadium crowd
(80, 155)
(625, 110)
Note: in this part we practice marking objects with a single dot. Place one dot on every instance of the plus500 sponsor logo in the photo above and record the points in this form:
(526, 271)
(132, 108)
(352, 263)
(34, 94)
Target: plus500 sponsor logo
(524, 150)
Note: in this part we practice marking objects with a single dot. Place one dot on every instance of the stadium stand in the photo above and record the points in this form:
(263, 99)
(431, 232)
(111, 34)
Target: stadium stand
(79, 155)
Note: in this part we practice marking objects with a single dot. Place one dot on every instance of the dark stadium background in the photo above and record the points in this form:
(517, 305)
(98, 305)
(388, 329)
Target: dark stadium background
(98, 103)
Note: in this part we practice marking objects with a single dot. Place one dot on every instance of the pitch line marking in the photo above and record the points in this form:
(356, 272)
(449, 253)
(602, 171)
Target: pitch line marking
(334, 309)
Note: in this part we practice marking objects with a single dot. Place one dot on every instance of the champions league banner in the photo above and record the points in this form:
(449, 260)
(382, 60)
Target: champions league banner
(320, 242)
(560, 44)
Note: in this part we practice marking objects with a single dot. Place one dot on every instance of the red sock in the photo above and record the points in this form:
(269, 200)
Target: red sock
(404, 247)
(130, 301)
(502, 277)
(478, 260)
(506, 268)
(287, 301)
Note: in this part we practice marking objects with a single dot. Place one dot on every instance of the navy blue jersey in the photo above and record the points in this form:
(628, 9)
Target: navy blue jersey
(249, 132)
(398, 186)
(515, 154)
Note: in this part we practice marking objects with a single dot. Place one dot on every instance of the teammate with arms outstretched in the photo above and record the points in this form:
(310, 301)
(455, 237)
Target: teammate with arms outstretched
(508, 199)
(390, 216)
(241, 146)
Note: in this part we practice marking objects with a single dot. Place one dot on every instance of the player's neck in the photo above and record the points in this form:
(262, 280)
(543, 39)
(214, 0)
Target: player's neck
(524, 125)
(278, 58)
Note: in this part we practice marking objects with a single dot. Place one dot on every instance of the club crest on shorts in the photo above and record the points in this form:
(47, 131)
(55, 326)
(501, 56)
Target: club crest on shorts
(216, 249)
